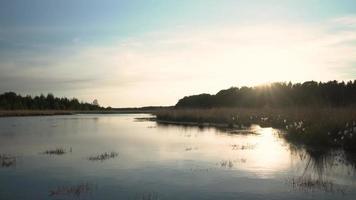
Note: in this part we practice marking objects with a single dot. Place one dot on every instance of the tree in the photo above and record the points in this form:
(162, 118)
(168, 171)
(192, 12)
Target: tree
(12, 101)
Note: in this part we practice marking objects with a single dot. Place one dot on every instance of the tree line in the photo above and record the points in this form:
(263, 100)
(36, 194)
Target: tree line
(279, 94)
(13, 101)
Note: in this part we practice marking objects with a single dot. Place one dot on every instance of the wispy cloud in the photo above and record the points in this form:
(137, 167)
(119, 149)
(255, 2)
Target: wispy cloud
(346, 20)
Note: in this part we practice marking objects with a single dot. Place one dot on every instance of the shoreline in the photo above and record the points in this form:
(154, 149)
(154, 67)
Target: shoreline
(25, 113)
(197, 124)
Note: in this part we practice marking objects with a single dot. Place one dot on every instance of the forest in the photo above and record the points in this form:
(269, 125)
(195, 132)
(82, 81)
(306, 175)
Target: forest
(279, 94)
(13, 101)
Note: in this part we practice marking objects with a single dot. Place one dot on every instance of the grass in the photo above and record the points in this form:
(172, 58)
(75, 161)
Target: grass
(243, 147)
(103, 156)
(308, 184)
(227, 164)
(7, 161)
(57, 151)
(322, 127)
(74, 190)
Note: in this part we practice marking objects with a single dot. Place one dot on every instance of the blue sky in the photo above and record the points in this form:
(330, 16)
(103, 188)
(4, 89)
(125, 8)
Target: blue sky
(135, 53)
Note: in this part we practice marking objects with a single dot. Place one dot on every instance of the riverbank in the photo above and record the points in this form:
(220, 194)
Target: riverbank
(321, 127)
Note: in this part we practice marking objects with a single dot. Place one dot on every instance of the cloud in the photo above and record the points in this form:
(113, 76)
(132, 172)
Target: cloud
(346, 20)
(158, 68)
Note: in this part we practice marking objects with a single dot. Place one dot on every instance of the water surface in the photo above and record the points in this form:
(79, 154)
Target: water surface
(157, 161)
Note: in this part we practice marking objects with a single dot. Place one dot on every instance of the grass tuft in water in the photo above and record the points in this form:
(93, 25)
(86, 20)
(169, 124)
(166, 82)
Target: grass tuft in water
(243, 147)
(74, 190)
(104, 156)
(57, 151)
(226, 164)
(307, 184)
(7, 161)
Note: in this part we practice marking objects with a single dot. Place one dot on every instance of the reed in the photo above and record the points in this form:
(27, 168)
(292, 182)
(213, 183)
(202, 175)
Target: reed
(72, 190)
(7, 160)
(103, 156)
(322, 127)
(57, 151)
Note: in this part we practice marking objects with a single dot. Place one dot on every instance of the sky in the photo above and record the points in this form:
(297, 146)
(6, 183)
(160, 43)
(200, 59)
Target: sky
(153, 52)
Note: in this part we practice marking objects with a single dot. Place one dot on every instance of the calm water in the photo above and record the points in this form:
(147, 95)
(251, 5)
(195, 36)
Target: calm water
(161, 162)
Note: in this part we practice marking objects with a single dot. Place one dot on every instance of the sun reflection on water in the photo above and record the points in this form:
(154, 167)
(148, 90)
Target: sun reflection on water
(269, 155)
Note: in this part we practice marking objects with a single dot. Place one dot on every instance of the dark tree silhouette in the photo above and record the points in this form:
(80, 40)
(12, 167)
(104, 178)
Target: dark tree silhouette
(311, 93)
(12, 101)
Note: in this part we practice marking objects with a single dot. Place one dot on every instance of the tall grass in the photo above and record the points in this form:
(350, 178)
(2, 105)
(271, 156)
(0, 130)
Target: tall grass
(325, 127)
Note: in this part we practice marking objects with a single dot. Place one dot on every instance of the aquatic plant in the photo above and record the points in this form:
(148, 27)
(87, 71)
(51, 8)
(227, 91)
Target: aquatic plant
(226, 164)
(73, 190)
(308, 184)
(243, 147)
(57, 151)
(7, 160)
(103, 156)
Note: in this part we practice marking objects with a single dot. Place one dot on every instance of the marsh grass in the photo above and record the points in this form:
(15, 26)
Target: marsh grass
(243, 147)
(326, 127)
(229, 164)
(7, 161)
(72, 190)
(57, 151)
(307, 184)
(104, 156)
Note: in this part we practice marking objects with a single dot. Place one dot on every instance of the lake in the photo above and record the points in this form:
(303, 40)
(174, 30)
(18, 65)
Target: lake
(117, 156)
